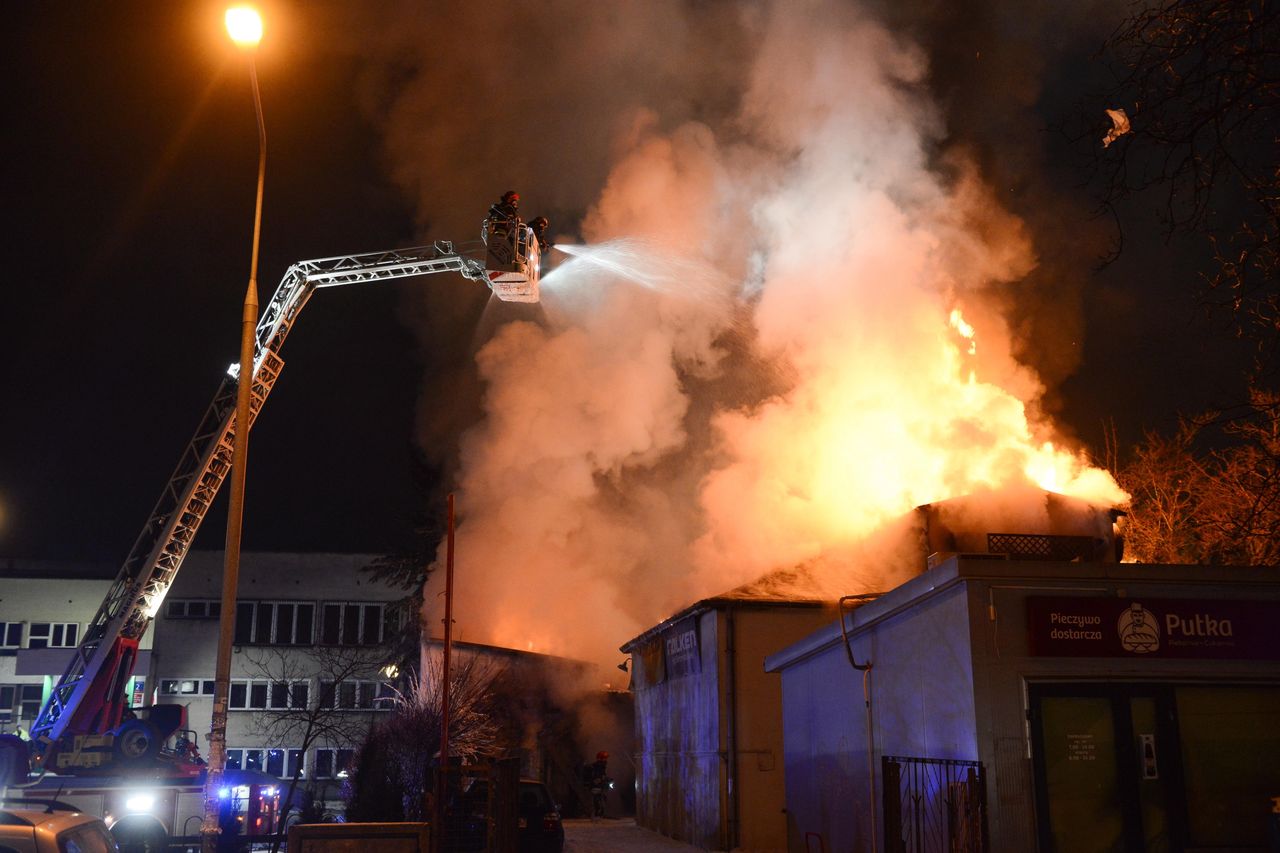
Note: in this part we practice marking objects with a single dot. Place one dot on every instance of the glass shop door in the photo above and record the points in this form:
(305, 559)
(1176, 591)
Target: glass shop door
(1108, 775)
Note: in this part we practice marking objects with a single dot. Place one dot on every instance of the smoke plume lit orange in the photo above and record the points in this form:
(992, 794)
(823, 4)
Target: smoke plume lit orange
(780, 334)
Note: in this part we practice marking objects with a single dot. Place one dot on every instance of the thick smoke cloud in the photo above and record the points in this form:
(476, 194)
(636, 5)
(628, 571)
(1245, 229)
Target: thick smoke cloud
(788, 323)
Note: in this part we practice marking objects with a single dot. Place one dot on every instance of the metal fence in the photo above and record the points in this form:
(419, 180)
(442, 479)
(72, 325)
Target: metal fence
(934, 805)
(1028, 546)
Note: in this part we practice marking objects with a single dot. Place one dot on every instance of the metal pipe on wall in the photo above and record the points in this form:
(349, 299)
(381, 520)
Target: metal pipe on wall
(731, 688)
(865, 669)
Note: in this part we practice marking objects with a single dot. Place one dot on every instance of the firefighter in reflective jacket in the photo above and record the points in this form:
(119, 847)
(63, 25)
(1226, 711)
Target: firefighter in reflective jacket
(505, 212)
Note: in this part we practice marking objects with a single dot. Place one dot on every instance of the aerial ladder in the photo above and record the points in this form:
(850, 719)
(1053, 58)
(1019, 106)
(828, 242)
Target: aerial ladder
(84, 725)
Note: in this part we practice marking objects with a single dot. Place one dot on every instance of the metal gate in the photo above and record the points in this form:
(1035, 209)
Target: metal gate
(934, 805)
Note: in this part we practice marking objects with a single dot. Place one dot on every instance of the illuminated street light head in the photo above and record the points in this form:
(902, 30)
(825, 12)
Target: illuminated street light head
(244, 25)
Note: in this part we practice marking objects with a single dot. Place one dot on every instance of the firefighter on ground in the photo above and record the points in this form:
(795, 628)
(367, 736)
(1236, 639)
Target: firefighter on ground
(596, 778)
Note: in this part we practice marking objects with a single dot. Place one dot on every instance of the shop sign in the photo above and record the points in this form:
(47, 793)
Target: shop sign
(1153, 628)
(683, 651)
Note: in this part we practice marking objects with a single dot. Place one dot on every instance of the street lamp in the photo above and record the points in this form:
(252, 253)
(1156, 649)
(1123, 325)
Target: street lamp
(244, 25)
(245, 28)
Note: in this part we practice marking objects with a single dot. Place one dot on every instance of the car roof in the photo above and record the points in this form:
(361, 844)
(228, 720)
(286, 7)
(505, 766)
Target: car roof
(13, 818)
(36, 817)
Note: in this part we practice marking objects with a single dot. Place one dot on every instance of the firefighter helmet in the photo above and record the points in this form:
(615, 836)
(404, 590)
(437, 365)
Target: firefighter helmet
(511, 197)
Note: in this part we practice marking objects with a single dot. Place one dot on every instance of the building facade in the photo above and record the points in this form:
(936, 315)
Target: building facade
(708, 721)
(44, 608)
(552, 716)
(1045, 705)
(309, 649)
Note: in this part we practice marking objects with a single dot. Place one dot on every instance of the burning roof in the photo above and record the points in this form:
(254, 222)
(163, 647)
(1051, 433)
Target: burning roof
(1014, 524)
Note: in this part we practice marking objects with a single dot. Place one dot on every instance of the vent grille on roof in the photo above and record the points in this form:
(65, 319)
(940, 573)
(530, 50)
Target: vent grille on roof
(1025, 546)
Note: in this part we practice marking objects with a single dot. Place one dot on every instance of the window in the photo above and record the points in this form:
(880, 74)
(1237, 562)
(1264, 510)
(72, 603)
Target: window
(281, 623)
(351, 624)
(179, 687)
(186, 687)
(333, 763)
(276, 761)
(244, 623)
(262, 695)
(8, 696)
(30, 698)
(53, 635)
(355, 695)
(10, 635)
(187, 608)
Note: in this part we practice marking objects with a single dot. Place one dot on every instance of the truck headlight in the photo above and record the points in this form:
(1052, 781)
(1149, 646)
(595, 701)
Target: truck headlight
(140, 802)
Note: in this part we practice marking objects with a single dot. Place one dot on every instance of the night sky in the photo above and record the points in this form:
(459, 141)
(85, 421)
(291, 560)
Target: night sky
(131, 156)
(129, 167)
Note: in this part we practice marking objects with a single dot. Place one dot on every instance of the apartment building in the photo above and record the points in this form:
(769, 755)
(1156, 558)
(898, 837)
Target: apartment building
(307, 666)
(44, 607)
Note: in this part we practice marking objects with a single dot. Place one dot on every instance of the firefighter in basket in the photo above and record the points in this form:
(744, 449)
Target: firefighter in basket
(539, 225)
(504, 214)
(513, 256)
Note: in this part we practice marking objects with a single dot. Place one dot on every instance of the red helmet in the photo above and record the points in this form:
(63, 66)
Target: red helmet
(602, 756)
(511, 197)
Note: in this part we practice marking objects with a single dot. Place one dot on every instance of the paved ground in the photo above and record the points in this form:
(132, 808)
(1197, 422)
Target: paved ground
(616, 836)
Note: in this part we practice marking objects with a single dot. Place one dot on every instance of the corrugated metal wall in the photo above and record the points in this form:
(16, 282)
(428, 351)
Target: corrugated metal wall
(683, 726)
(680, 772)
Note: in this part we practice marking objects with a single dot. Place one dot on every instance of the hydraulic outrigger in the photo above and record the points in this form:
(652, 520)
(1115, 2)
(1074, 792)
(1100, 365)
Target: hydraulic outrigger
(82, 726)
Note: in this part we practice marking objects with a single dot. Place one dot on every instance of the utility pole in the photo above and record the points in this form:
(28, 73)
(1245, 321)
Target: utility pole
(442, 778)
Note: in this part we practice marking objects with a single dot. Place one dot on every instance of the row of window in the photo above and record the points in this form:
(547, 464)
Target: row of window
(284, 762)
(280, 623)
(40, 635)
(293, 623)
(20, 702)
(187, 608)
(267, 695)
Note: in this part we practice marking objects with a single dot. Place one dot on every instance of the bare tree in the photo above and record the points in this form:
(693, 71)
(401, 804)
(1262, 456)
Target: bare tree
(319, 716)
(407, 569)
(407, 572)
(1166, 482)
(1216, 507)
(391, 774)
(1200, 80)
(1240, 516)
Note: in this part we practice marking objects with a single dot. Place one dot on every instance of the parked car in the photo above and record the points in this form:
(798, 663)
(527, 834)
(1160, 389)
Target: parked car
(538, 825)
(539, 828)
(51, 827)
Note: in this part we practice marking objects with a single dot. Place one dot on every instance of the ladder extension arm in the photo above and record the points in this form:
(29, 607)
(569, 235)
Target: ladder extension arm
(147, 573)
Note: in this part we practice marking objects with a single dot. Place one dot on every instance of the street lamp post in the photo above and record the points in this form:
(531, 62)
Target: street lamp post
(245, 27)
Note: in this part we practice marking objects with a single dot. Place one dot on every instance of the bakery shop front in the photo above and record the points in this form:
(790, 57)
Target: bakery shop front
(1019, 706)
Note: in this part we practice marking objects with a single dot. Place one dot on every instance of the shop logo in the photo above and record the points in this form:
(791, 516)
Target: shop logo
(1138, 629)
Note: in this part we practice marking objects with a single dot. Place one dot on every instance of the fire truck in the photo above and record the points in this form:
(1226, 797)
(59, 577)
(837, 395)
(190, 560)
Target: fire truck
(85, 727)
(149, 814)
